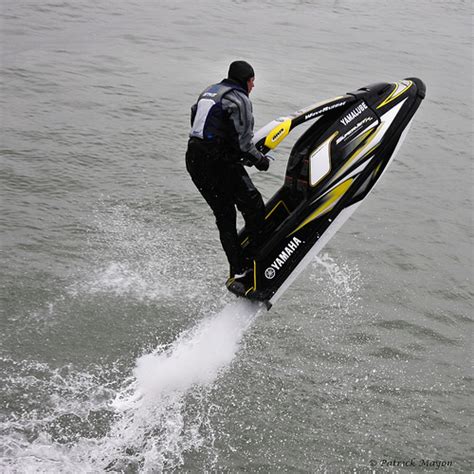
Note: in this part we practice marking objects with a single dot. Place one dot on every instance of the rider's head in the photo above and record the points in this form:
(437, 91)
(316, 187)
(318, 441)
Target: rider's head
(242, 73)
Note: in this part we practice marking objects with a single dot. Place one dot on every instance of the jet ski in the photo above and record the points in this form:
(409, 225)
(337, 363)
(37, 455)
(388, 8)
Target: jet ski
(331, 169)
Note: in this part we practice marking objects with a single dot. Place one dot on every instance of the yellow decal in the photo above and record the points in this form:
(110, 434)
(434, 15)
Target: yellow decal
(246, 240)
(276, 136)
(330, 200)
(274, 208)
(398, 90)
(254, 287)
(358, 152)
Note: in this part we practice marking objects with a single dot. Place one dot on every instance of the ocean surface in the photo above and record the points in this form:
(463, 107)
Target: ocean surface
(121, 350)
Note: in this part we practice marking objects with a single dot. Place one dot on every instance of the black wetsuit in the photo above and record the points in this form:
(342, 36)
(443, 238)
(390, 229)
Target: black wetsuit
(220, 142)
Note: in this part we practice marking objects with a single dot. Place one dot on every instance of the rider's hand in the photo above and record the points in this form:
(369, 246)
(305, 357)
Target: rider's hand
(263, 163)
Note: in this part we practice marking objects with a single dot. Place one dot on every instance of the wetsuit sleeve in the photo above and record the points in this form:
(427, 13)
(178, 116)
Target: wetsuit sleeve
(239, 108)
(193, 113)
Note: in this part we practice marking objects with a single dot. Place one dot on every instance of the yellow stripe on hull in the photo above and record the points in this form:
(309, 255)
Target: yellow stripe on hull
(332, 198)
(254, 287)
(398, 90)
(245, 241)
(274, 208)
(358, 153)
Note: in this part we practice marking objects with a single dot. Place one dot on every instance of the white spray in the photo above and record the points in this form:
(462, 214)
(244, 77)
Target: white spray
(152, 407)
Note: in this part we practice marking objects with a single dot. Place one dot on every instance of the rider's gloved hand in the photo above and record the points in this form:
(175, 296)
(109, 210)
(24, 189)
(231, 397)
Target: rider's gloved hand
(263, 163)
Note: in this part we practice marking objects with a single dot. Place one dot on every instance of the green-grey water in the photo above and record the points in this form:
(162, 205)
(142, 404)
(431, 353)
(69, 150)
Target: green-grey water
(121, 349)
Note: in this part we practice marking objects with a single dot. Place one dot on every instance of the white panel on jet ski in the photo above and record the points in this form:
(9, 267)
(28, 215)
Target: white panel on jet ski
(320, 162)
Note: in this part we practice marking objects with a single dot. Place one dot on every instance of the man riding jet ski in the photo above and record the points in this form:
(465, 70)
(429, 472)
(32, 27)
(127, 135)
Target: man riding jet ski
(220, 144)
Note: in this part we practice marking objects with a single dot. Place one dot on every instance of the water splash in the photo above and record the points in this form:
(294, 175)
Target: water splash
(157, 404)
(53, 413)
(195, 358)
(129, 255)
(345, 281)
(98, 421)
(163, 411)
(124, 279)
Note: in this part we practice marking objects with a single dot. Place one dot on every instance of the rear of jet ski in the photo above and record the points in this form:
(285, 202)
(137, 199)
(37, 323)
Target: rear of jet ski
(331, 169)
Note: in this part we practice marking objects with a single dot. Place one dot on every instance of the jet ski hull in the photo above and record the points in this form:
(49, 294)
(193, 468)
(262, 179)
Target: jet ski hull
(332, 168)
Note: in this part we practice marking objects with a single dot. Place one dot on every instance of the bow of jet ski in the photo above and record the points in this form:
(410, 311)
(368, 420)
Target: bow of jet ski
(331, 169)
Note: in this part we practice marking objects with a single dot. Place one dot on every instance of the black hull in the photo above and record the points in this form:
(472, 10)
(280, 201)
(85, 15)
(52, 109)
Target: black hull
(331, 169)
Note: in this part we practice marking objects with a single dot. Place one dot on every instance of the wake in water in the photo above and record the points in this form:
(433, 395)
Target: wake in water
(152, 409)
(163, 410)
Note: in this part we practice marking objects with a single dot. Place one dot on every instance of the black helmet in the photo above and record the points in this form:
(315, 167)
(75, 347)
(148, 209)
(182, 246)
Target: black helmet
(241, 72)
